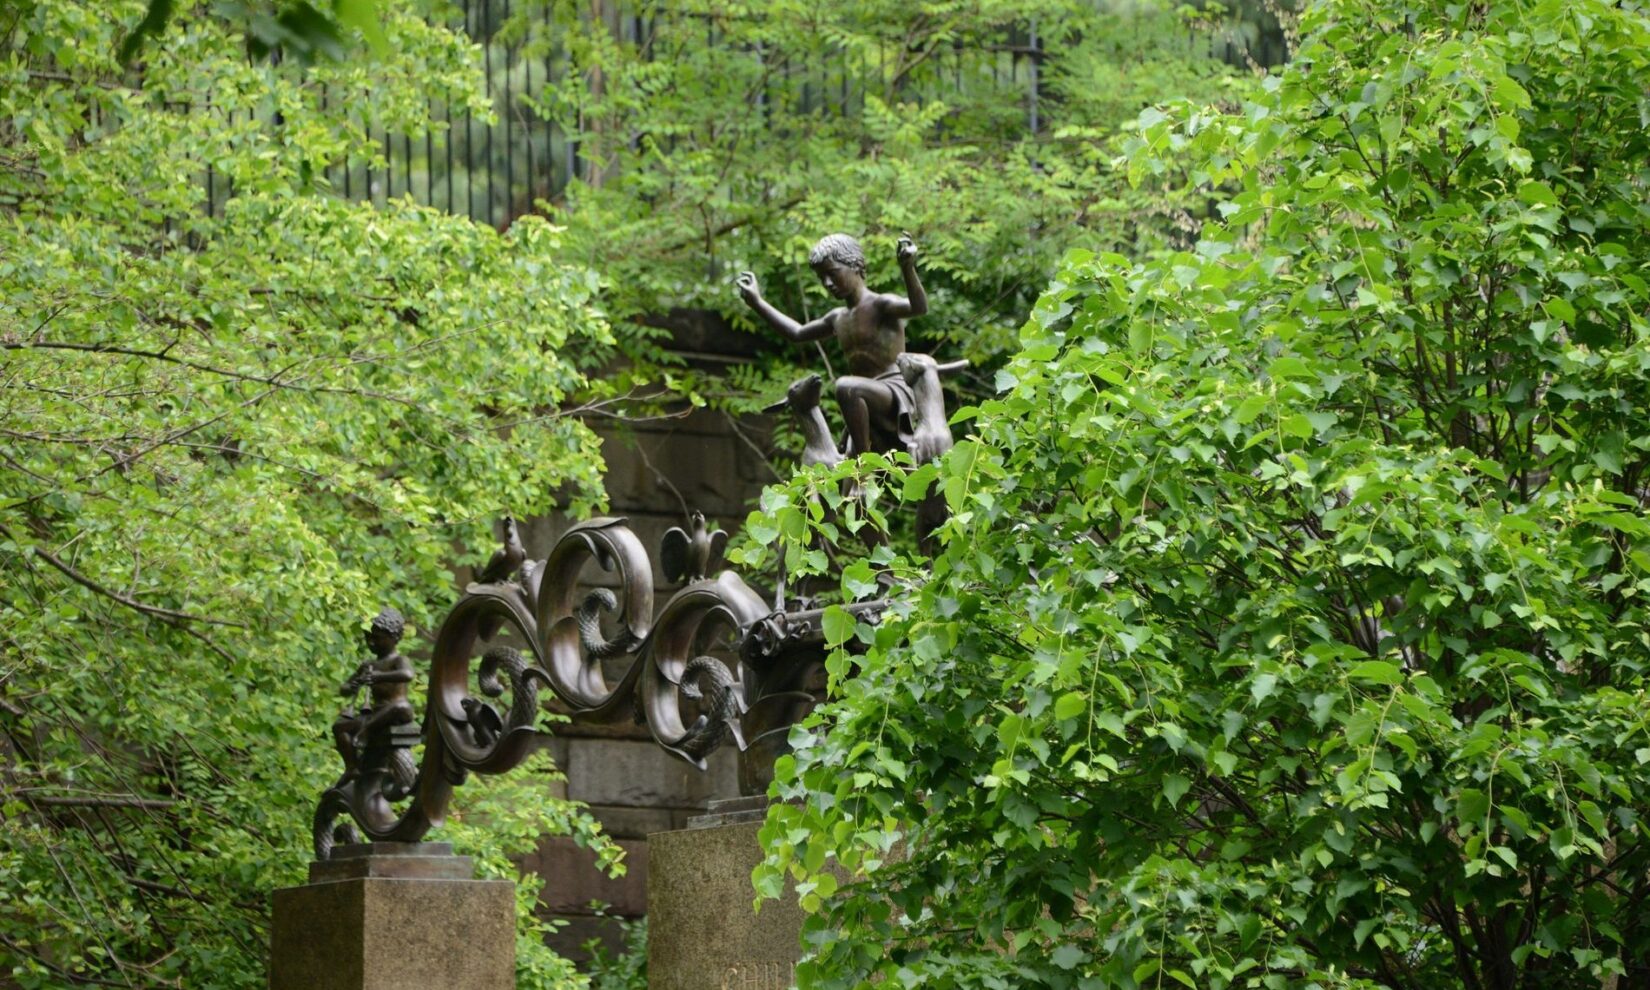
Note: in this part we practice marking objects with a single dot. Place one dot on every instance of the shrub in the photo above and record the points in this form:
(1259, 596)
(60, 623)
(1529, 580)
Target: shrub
(1289, 630)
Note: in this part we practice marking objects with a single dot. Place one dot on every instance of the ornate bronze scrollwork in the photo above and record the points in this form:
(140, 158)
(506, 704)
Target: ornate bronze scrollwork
(715, 664)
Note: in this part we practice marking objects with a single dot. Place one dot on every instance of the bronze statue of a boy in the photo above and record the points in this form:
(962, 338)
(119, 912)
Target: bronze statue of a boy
(876, 401)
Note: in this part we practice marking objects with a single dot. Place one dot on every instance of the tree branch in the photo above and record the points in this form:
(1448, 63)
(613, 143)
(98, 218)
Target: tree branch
(97, 801)
(170, 615)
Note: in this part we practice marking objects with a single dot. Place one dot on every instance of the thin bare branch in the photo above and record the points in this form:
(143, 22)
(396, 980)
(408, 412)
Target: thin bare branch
(170, 615)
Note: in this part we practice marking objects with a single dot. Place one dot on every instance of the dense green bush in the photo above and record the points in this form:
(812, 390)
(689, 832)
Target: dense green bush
(1290, 631)
(225, 441)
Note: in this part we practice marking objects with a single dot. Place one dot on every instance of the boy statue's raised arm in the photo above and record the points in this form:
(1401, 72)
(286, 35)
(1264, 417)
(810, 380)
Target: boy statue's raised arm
(789, 328)
(916, 301)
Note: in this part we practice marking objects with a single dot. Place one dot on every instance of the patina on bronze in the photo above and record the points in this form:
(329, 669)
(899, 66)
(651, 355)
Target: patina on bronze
(891, 398)
(716, 664)
(364, 736)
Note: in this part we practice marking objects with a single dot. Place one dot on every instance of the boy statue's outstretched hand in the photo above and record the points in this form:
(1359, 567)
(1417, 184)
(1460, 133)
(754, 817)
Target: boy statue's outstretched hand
(747, 287)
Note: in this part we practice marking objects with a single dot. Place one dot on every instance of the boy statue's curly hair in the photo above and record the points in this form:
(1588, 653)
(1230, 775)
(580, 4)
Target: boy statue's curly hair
(840, 248)
(389, 621)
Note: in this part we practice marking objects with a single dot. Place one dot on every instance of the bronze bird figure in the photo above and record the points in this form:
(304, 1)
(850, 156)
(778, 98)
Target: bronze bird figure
(689, 555)
(506, 560)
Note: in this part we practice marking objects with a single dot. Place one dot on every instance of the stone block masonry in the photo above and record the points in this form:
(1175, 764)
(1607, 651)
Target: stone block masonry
(387, 918)
(702, 931)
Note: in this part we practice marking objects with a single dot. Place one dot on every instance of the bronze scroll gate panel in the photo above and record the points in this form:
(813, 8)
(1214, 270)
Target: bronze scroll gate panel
(752, 698)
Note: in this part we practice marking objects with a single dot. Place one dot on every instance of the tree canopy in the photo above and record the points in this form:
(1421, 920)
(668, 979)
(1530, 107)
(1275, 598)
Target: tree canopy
(241, 413)
(1289, 627)
(725, 137)
(225, 441)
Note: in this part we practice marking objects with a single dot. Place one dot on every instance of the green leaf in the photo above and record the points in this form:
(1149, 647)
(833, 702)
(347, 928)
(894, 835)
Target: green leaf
(1070, 705)
(859, 580)
(1174, 788)
(1537, 193)
(838, 624)
(1297, 426)
(1471, 806)
(1377, 672)
(1250, 408)
(362, 15)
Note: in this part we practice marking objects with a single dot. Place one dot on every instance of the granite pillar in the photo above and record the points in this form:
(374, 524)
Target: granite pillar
(702, 932)
(394, 916)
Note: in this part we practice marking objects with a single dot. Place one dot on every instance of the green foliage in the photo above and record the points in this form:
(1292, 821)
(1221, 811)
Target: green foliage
(1290, 627)
(622, 970)
(290, 26)
(224, 442)
(731, 137)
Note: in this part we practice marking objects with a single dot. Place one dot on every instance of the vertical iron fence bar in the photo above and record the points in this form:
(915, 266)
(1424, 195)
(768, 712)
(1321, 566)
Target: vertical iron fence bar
(1035, 73)
(882, 68)
(551, 186)
(842, 69)
(509, 141)
(487, 67)
(526, 123)
(552, 82)
(670, 142)
(349, 192)
(447, 111)
(762, 91)
(167, 223)
(326, 173)
(570, 141)
(469, 142)
(633, 140)
(229, 178)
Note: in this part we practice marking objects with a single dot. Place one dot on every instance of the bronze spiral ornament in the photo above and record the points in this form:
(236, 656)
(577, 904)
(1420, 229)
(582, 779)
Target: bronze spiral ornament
(585, 619)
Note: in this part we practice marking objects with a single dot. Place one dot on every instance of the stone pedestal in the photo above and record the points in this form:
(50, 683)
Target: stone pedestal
(394, 916)
(701, 931)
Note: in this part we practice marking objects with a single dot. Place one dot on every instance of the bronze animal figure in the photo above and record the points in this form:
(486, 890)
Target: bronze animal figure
(688, 555)
(802, 399)
(507, 559)
(930, 434)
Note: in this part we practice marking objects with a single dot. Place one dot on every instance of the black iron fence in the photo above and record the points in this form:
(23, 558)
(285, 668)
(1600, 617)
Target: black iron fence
(494, 170)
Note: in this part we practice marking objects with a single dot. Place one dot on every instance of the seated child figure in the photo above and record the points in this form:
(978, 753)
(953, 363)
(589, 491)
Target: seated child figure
(876, 402)
(388, 675)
